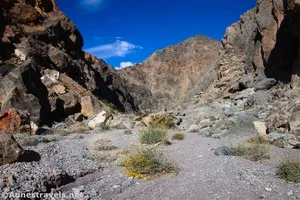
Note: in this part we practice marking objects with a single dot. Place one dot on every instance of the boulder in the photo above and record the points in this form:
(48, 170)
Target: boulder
(10, 121)
(159, 120)
(100, 119)
(193, 128)
(10, 150)
(59, 89)
(294, 119)
(284, 140)
(50, 77)
(265, 84)
(90, 106)
(261, 128)
(204, 124)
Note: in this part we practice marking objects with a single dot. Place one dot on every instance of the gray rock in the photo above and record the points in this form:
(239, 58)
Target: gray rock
(245, 93)
(193, 128)
(265, 84)
(224, 151)
(260, 97)
(205, 123)
(247, 80)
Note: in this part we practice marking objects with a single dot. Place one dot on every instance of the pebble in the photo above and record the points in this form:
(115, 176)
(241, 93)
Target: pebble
(268, 189)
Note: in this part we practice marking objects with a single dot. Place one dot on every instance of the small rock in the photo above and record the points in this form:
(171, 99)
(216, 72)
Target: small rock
(193, 128)
(127, 182)
(117, 186)
(205, 123)
(59, 89)
(290, 193)
(223, 151)
(261, 128)
(268, 189)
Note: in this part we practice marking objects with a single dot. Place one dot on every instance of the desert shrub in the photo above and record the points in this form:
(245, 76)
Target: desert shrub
(289, 170)
(253, 152)
(178, 136)
(146, 163)
(103, 150)
(102, 144)
(105, 127)
(78, 128)
(153, 136)
(258, 140)
(128, 132)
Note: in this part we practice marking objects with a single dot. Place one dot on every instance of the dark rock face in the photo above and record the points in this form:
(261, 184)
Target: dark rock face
(261, 51)
(36, 37)
(23, 90)
(264, 42)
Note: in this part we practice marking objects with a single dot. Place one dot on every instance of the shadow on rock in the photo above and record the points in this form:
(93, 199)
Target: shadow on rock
(30, 156)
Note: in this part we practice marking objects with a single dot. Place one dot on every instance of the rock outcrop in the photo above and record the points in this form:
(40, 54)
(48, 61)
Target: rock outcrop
(43, 71)
(261, 52)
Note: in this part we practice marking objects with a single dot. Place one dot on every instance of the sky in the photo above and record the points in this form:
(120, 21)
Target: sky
(125, 32)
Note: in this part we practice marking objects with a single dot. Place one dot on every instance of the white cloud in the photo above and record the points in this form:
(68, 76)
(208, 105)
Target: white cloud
(91, 4)
(119, 48)
(124, 65)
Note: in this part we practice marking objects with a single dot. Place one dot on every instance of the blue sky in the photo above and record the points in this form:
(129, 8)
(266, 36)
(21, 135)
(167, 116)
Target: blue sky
(124, 32)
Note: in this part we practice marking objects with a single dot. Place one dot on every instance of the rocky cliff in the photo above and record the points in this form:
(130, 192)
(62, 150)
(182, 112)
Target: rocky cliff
(44, 74)
(261, 52)
(168, 75)
(263, 43)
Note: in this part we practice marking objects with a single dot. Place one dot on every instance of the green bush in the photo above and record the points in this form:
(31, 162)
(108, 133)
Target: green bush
(289, 170)
(153, 136)
(146, 163)
(253, 152)
(178, 136)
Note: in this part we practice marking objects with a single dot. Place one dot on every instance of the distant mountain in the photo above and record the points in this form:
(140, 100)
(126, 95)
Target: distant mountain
(171, 73)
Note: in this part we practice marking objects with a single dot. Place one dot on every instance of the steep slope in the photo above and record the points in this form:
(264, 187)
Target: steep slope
(44, 73)
(169, 74)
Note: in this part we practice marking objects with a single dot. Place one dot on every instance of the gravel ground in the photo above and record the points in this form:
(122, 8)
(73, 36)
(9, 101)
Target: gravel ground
(69, 166)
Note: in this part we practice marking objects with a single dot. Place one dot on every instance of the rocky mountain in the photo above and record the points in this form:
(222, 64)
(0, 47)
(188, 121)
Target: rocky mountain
(44, 74)
(169, 74)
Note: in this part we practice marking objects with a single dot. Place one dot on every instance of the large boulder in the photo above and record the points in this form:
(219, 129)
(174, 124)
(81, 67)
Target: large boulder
(10, 150)
(159, 120)
(90, 106)
(100, 119)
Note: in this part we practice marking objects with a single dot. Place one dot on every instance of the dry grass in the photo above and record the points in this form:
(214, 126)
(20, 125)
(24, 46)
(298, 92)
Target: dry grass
(178, 136)
(258, 140)
(147, 163)
(153, 136)
(78, 128)
(253, 152)
(104, 150)
(289, 170)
